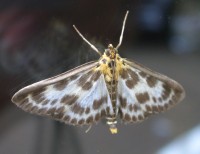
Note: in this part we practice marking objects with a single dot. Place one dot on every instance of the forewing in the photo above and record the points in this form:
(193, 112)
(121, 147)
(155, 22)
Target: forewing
(142, 92)
(77, 97)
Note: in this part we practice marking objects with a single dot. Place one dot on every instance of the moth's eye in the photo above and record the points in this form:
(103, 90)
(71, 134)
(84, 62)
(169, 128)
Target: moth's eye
(107, 52)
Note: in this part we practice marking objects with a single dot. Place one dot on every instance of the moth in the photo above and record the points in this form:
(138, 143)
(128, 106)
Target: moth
(111, 87)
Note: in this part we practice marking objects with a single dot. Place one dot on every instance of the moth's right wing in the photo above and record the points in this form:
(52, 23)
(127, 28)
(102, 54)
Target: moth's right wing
(77, 97)
(142, 92)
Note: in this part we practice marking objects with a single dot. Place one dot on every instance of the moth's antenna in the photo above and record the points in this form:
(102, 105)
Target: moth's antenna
(91, 45)
(121, 36)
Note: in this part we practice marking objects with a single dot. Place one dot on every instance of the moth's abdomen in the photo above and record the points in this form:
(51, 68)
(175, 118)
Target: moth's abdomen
(112, 89)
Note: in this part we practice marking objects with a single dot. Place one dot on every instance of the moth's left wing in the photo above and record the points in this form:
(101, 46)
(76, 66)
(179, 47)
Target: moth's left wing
(142, 92)
(76, 97)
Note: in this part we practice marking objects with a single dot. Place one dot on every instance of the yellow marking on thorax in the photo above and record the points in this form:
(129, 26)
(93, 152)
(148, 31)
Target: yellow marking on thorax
(106, 70)
(119, 65)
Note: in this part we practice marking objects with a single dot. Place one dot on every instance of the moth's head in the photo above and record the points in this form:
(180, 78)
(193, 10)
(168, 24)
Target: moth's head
(111, 51)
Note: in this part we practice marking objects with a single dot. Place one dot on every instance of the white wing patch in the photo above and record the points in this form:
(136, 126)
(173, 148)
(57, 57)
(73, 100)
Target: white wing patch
(142, 92)
(79, 98)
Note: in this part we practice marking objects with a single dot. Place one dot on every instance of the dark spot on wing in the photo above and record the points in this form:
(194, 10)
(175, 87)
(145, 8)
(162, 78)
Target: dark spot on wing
(53, 101)
(60, 85)
(103, 113)
(87, 111)
(124, 74)
(38, 95)
(98, 103)
(19, 98)
(28, 106)
(178, 91)
(151, 81)
(87, 85)
(174, 98)
(23, 102)
(51, 111)
(130, 107)
(69, 99)
(60, 109)
(133, 80)
(154, 99)
(136, 107)
(45, 102)
(97, 117)
(120, 113)
(58, 116)
(42, 111)
(76, 108)
(67, 118)
(133, 75)
(96, 76)
(107, 109)
(166, 106)
(89, 120)
(142, 97)
(130, 83)
(73, 121)
(34, 109)
(142, 74)
(155, 108)
(84, 77)
(74, 77)
(81, 122)
(134, 118)
(127, 117)
(160, 108)
(38, 98)
(148, 108)
(123, 101)
(140, 117)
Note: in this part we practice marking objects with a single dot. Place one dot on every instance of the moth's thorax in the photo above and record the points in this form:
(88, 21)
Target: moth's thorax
(110, 64)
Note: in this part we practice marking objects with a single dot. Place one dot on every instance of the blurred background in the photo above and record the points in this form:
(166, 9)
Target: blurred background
(37, 41)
